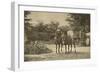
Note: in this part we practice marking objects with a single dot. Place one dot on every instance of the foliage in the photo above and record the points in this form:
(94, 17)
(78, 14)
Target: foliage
(36, 48)
(80, 23)
(46, 32)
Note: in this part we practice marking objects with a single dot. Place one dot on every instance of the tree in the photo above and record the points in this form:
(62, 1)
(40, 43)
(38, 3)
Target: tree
(64, 28)
(80, 23)
(51, 29)
(27, 26)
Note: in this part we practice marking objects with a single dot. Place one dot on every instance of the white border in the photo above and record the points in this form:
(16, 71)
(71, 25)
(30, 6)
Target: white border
(18, 40)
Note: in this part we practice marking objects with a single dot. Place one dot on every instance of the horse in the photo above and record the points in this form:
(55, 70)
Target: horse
(58, 41)
(64, 38)
(69, 41)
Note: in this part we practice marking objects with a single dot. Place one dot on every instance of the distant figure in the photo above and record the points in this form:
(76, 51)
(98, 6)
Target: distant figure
(87, 39)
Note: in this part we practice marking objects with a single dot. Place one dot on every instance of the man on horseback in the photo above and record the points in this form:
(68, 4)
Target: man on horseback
(65, 38)
(58, 40)
(69, 41)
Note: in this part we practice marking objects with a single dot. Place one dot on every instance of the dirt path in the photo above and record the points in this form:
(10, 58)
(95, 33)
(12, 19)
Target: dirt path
(82, 53)
(78, 49)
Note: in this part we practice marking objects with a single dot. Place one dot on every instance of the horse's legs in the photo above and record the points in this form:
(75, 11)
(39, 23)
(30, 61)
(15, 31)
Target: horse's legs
(74, 46)
(61, 47)
(68, 48)
(71, 47)
(65, 49)
(56, 48)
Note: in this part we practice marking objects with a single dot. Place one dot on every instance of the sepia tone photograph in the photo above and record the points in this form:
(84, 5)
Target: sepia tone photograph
(56, 36)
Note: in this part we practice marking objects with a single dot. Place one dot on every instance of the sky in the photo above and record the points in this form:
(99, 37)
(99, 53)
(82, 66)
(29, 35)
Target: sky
(47, 17)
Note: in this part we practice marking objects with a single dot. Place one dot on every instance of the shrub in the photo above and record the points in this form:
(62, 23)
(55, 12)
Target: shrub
(36, 48)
